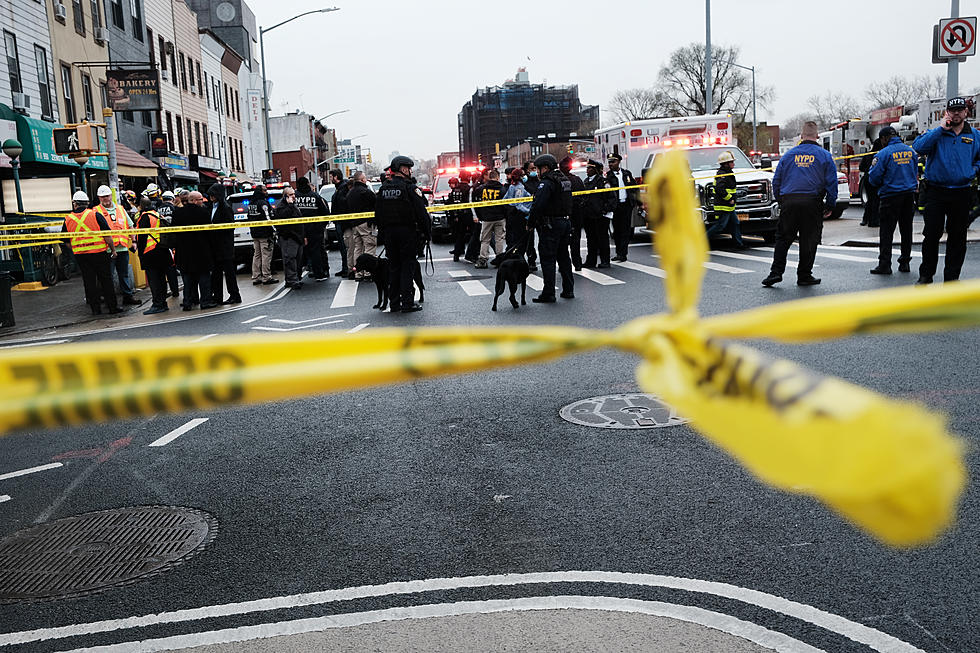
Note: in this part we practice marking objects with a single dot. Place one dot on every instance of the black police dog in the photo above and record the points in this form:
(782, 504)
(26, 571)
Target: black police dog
(511, 270)
(379, 271)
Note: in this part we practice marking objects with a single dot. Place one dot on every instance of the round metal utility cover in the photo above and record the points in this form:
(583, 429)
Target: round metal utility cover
(634, 410)
(97, 550)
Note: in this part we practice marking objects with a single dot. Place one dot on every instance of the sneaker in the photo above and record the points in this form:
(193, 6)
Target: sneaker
(155, 309)
(544, 299)
(771, 280)
(808, 281)
(881, 270)
(481, 265)
(903, 267)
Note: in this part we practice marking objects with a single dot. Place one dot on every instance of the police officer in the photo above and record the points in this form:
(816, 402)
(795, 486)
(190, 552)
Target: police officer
(403, 222)
(622, 205)
(575, 237)
(952, 159)
(459, 193)
(805, 185)
(724, 202)
(893, 173)
(310, 203)
(550, 214)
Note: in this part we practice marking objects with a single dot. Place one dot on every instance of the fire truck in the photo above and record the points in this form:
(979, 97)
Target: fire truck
(702, 138)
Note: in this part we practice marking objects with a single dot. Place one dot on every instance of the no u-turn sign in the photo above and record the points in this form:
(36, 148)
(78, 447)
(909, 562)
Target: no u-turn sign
(957, 37)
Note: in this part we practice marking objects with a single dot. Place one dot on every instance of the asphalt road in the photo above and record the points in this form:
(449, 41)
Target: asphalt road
(471, 477)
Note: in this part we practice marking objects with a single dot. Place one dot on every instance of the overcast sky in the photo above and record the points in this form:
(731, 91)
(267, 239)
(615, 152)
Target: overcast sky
(404, 69)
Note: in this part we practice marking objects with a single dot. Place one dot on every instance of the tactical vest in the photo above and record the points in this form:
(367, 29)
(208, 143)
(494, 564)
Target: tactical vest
(394, 204)
(560, 203)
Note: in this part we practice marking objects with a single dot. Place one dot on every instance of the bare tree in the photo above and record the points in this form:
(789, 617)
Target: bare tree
(831, 108)
(638, 104)
(793, 125)
(682, 81)
(900, 91)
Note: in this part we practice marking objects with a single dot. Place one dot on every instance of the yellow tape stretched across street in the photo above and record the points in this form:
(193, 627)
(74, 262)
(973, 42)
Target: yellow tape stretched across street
(888, 466)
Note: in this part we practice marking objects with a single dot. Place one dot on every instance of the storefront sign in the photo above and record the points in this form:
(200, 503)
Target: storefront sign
(158, 144)
(254, 98)
(206, 162)
(133, 90)
(174, 162)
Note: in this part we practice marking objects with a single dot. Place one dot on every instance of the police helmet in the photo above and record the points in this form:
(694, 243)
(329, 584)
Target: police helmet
(104, 191)
(546, 161)
(79, 196)
(400, 161)
(726, 157)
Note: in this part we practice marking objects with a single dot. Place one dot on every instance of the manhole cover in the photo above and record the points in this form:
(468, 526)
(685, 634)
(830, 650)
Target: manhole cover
(633, 410)
(91, 552)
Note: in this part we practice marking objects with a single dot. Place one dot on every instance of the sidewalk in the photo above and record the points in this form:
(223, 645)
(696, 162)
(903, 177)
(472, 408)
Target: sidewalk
(61, 309)
(847, 231)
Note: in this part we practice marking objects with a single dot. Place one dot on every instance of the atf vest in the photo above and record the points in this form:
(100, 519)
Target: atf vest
(560, 203)
(395, 206)
(152, 238)
(86, 235)
(117, 224)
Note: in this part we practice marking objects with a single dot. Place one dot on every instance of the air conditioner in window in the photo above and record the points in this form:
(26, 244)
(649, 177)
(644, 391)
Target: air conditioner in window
(22, 102)
(60, 13)
(99, 34)
(165, 75)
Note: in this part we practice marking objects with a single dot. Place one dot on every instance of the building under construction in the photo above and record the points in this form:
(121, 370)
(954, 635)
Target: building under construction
(501, 116)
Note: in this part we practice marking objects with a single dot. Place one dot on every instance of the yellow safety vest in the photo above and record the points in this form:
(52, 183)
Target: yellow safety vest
(153, 238)
(116, 224)
(86, 234)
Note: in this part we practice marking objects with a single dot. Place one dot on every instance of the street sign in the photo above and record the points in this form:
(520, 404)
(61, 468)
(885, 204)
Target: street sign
(957, 37)
(347, 155)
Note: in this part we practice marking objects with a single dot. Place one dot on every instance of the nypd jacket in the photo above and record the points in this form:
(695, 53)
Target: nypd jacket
(310, 203)
(893, 169)
(807, 169)
(951, 159)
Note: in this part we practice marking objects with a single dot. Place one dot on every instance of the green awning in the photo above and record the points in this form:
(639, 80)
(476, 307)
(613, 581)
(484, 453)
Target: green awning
(37, 137)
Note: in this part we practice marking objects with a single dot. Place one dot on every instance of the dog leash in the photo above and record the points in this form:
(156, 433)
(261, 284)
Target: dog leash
(430, 263)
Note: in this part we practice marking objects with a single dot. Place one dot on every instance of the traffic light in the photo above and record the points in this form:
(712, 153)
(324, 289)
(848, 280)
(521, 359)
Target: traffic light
(369, 157)
(570, 149)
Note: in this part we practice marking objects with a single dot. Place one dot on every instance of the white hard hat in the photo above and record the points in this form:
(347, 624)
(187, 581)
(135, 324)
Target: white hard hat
(79, 196)
(726, 156)
(103, 191)
(152, 189)
(167, 195)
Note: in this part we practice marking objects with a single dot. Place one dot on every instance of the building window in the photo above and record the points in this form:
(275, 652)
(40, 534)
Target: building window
(180, 135)
(241, 156)
(190, 139)
(231, 154)
(41, 59)
(67, 94)
(79, 16)
(137, 12)
(96, 15)
(163, 52)
(200, 80)
(87, 97)
(127, 116)
(183, 72)
(149, 41)
(207, 92)
(197, 136)
(170, 131)
(13, 62)
(227, 102)
(146, 118)
(204, 130)
(115, 7)
(217, 95)
(173, 63)
(238, 110)
(190, 73)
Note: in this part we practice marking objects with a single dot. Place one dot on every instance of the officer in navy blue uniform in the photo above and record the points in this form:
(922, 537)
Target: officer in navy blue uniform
(894, 173)
(805, 185)
(952, 161)
(550, 214)
(403, 223)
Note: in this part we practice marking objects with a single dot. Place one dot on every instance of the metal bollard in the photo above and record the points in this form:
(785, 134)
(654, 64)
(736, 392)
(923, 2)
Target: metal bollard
(6, 303)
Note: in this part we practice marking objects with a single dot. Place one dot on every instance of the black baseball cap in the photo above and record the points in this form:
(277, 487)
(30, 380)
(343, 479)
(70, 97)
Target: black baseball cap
(956, 103)
(887, 132)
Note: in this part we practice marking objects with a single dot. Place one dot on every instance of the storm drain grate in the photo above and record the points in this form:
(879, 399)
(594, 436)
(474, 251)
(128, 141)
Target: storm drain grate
(97, 550)
(634, 410)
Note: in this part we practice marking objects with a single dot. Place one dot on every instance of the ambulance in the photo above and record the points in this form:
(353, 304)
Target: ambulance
(702, 139)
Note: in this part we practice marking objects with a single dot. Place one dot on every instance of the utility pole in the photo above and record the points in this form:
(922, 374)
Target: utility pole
(708, 109)
(110, 146)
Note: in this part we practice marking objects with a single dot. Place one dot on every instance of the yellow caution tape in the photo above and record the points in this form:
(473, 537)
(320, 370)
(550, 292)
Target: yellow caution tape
(889, 467)
(22, 245)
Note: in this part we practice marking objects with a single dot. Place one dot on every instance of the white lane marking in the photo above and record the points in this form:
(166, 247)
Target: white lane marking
(4, 497)
(645, 269)
(314, 319)
(720, 267)
(37, 344)
(474, 288)
(203, 338)
(733, 626)
(296, 328)
(757, 259)
(456, 274)
(346, 294)
(255, 319)
(177, 432)
(535, 282)
(32, 470)
(839, 257)
(860, 633)
(598, 277)
(358, 328)
(847, 248)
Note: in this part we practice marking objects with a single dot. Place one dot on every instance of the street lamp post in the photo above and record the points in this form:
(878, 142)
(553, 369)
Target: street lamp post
(755, 142)
(265, 94)
(707, 58)
(13, 149)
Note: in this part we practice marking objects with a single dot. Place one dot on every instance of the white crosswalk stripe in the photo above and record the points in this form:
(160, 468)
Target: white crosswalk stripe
(346, 294)
(639, 267)
(754, 259)
(474, 288)
(535, 282)
(598, 277)
(839, 257)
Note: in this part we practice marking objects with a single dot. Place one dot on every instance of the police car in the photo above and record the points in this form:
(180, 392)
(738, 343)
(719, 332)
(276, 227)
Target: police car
(442, 228)
(240, 207)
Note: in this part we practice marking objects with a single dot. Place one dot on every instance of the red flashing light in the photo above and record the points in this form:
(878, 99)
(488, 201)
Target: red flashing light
(723, 125)
(636, 132)
(622, 134)
(667, 143)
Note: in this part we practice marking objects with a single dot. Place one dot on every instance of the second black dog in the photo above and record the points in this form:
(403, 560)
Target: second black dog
(379, 270)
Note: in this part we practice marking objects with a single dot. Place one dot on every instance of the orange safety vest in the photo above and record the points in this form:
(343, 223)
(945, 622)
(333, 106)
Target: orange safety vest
(153, 238)
(116, 225)
(86, 236)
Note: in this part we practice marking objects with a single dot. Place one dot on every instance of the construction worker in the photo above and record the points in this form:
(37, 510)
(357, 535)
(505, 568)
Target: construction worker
(118, 220)
(724, 202)
(93, 251)
(154, 257)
